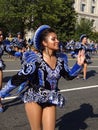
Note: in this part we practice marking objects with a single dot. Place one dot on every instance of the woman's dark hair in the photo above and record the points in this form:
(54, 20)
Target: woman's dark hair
(1, 30)
(44, 34)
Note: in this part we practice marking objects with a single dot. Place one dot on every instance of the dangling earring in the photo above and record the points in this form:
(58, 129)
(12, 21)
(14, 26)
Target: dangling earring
(46, 49)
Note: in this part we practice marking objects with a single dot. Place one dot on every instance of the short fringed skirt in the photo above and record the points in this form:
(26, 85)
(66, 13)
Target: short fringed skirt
(44, 96)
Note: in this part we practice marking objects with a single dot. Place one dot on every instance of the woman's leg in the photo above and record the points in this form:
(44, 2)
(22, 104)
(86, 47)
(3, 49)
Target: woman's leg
(34, 114)
(84, 70)
(49, 118)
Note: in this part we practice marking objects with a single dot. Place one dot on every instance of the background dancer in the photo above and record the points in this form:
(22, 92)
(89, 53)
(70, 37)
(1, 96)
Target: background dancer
(82, 45)
(9, 50)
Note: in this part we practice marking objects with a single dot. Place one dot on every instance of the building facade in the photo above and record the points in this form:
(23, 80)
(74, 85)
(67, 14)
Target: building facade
(87, 9)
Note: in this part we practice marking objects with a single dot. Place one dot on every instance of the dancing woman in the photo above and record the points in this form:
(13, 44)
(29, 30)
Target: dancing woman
(43, 71)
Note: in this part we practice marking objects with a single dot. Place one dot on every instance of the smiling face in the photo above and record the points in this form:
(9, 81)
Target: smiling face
(51, 41)
(84, 40)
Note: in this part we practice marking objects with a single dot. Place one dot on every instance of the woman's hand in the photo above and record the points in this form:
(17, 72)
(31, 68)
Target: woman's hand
(81, 57)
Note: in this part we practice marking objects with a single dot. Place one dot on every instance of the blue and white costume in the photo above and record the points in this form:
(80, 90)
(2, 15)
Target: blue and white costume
(43, 80)
(6, 48)
(16, 43)
(80, 46)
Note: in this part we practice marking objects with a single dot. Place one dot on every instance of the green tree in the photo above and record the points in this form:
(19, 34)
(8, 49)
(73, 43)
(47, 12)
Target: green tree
(15, 15)
(94, 37)
(59, 14)
(85, 26)
(18, 15)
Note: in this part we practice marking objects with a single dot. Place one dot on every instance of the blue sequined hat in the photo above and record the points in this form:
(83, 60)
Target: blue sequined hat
(37, 34)
(82, 36)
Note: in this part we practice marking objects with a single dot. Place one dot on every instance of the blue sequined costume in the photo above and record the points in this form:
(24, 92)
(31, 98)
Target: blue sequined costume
(8, 49)
(79, 46)
(43, 80)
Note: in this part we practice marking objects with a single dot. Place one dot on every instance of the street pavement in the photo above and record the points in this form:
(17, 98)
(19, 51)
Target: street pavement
(80, 111)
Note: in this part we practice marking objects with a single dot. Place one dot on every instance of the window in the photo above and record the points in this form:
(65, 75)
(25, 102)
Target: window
(82, 7)
(83, 0)
(93, 9)
(93, 1)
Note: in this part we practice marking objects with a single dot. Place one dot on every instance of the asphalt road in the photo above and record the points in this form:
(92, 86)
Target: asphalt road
(80, 112)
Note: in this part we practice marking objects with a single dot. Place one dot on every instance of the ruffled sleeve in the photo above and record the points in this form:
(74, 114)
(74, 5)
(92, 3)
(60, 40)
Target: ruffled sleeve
(28, 70)
(29, 62)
